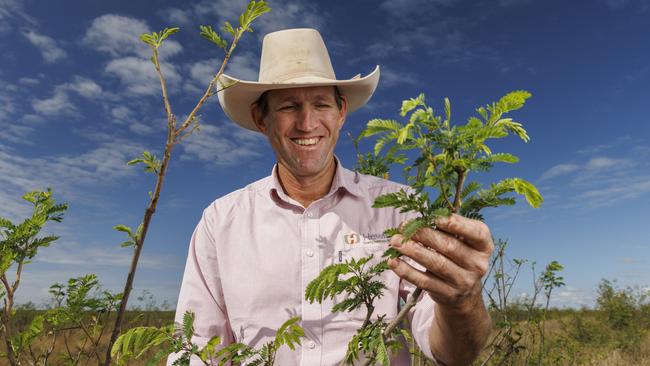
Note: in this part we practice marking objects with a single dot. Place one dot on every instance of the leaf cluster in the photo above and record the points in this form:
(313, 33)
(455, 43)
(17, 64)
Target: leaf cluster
(79, 306)
(254, 10)
(133, 237)
(138, 342)
(20, 242)
(150, 161)
(155, 39)
(446, 154)
(354, 278)
(371, 341)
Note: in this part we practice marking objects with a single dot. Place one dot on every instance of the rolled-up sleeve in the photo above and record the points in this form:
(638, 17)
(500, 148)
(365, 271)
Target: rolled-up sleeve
(201, 291)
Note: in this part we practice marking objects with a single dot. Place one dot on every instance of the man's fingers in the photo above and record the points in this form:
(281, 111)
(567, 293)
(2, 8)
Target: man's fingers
(424, 280)
(452, 248)
(436, 263)
(472, 232)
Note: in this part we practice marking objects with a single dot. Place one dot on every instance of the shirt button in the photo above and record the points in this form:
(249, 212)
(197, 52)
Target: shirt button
(311, 344)
(310, 214)
(310, 253)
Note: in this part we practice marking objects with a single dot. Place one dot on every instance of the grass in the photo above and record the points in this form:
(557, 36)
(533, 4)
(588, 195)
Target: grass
(573, 337)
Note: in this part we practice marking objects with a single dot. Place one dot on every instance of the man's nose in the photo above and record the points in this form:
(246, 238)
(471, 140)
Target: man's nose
(307, 119)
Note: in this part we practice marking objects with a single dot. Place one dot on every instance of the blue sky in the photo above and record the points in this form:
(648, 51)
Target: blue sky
(78, 99)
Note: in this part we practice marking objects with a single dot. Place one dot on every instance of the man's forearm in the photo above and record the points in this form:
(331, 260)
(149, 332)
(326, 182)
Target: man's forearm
(458, 335)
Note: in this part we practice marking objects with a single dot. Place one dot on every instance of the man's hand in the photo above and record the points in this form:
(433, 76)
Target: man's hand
(456, 257)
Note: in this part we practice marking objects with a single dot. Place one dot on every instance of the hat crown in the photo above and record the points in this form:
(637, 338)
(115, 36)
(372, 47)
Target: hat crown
(294, 54)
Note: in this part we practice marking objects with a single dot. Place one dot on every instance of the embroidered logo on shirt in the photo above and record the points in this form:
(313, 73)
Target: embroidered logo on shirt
(366, 238)
(351, 238)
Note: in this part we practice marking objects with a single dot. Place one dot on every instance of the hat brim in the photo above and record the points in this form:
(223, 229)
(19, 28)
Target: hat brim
(237, 98)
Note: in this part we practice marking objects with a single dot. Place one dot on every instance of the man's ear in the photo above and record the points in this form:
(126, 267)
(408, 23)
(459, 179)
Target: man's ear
(343, 112)
(257, 118)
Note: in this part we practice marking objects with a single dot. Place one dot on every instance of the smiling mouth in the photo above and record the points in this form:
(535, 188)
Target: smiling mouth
(306, 142)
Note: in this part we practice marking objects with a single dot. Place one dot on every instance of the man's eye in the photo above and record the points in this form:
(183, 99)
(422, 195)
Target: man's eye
(323, 106)
(287, 108)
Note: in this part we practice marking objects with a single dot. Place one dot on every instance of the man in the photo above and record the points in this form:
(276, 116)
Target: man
(255, 250)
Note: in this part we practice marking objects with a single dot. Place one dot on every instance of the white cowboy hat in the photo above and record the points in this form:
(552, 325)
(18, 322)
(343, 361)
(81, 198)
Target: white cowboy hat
(291, 58)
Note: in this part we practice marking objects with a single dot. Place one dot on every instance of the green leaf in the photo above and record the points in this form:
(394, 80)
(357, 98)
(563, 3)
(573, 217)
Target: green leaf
(447, 110)
(209, 350)
(123, 228)
(227, 27)
(254, 10)
(289, 334)
(412, 103)
(208, 33)
(412, 227)
(188, 325)
(375, 126)
(155, 39)
(529, 191)
(513, 100)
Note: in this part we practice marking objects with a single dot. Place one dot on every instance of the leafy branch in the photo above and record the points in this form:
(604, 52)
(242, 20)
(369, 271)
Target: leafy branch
(445, 156)
(138, 342)
(18, 245)
(175, 134)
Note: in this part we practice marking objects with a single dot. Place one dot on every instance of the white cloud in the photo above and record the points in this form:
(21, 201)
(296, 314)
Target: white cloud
(560, 169)
(120, 112)
(243, 66)
(177, 16)
(60, 104)
(289, 14)
(571, 297)
(601, 163)
(12, 13)
(68, 174)
(622, 189)
(604, 180)
(140, 128)
(85, 87)
(16, 133)
(400, 8)
(50, 51)
(57, 104)
(139, 76)
(119, 35)
(225, 144)
(29, 81)
(391, 78)
(90, 256)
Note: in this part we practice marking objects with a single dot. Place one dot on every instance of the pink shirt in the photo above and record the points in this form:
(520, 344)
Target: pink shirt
(255, 250)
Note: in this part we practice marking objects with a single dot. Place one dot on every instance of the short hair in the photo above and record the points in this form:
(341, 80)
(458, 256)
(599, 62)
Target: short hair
(262, 103)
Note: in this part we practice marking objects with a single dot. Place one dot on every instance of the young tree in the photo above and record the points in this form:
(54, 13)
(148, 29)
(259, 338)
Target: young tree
(175, 134)
(445, 155)
(20, 243)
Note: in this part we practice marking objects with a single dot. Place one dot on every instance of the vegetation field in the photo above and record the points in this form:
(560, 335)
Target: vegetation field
(615, 333)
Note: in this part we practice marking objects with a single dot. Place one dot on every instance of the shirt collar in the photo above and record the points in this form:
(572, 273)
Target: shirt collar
(343, 179)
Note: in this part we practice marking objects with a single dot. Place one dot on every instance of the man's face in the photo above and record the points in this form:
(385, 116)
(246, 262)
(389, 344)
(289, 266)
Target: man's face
(302, 125)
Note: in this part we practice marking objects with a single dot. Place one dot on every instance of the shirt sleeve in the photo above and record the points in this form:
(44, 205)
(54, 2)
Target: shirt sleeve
(201, 292)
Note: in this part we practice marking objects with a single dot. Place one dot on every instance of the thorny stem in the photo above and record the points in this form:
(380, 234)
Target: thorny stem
(442, 183)
(462, 174)
(172, 138)
(6, 315)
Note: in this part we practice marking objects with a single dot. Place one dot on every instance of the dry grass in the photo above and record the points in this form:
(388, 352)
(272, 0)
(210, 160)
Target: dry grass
(586, 342)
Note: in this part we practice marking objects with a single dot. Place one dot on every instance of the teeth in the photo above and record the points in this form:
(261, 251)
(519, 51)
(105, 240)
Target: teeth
(306, 142)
